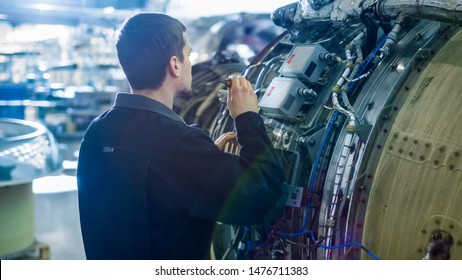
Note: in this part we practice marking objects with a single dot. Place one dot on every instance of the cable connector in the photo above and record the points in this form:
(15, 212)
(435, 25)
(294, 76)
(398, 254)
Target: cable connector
(307, 92)
(313, 246)
(330, 57)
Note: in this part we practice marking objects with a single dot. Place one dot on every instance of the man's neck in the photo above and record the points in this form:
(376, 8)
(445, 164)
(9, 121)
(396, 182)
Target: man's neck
(162, 96)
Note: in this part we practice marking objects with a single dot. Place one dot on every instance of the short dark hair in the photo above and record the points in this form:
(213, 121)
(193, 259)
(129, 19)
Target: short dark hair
(145, 45)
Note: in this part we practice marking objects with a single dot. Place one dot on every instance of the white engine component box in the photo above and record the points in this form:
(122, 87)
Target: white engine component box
(304, 62)
(281, 98)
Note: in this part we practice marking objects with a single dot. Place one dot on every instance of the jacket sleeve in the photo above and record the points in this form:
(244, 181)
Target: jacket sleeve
(235, 189)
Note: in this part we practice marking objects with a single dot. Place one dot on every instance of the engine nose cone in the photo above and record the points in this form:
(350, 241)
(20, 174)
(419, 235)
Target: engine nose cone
(284, 16)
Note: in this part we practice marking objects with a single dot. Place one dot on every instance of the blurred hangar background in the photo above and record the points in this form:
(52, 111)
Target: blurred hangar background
(59, 70)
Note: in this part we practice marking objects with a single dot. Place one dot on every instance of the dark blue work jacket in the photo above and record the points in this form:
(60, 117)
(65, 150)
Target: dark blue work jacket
(152, 187)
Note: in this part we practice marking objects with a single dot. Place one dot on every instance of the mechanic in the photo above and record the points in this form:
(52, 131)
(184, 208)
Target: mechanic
(151, 186)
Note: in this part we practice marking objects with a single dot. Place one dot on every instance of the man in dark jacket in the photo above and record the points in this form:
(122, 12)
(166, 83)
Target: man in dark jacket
(152, 187)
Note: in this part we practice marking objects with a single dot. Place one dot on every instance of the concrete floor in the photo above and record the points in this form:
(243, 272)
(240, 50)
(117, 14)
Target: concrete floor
(57, 225)
(56, 210)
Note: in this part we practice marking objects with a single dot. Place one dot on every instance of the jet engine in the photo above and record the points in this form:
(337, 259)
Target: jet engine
(362, 100)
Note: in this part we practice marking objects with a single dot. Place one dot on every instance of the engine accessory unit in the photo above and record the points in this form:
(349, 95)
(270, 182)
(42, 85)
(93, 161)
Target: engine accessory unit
(282, 98)
(304, 62)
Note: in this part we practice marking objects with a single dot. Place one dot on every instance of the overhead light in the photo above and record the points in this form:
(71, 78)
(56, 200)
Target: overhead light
(108, 10)
(43, 7)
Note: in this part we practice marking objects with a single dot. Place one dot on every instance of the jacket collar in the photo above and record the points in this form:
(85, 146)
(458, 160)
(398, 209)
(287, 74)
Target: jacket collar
(135, 101)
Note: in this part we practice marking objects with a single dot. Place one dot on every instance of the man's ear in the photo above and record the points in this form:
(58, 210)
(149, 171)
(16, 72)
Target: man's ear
(173, 67)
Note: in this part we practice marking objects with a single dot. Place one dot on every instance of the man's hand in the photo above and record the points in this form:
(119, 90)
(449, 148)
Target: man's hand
(241, 97)
(225, 139)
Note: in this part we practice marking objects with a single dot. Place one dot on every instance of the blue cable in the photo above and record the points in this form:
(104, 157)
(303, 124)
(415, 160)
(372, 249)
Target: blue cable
(332, 247)
(315, 168)
(329, 128)
(351, 244)
(316, 163)
(334, 117)
(294, 234)
(368, 61)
